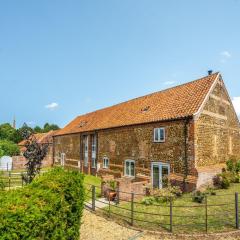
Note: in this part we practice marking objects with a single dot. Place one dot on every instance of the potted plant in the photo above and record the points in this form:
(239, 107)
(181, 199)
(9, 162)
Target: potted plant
(111, 193)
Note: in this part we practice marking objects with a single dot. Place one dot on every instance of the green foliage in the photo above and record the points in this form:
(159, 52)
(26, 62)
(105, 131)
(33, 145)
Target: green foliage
(49, 208)
(210, 191)
(46, 128)
(2, 184)
(223, 180)
(7, 132)
(8, 148)
(163, 195)
(148, 201)
(198, 196)
(230, 165)
(112, 184)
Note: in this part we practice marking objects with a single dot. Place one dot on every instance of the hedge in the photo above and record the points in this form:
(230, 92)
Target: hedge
(49, 208)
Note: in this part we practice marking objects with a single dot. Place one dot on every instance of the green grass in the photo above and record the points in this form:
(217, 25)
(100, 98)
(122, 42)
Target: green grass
(92, 180)
(190, 215)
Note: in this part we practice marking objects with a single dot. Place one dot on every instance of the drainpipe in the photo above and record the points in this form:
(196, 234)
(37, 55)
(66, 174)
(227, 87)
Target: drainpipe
(186, 123)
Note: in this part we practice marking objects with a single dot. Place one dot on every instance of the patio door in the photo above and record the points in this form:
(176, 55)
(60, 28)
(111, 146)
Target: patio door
(159, 171)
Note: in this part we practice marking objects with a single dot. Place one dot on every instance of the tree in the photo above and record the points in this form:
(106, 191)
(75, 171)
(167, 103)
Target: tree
(7, 132)
(34, 154)
(48, 127)
(38, 129)
(8, 148)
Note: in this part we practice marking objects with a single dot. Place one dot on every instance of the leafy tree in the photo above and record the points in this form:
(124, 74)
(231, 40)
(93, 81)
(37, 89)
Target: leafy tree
(9, 133)
(8, 148)
(34, 153)
(48, 127)
(38, 129)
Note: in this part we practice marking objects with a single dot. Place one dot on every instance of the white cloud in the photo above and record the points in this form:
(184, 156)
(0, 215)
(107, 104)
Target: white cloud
(52, 106)
(30, 123)
(225, 55)
(236, 104)
(169, 82)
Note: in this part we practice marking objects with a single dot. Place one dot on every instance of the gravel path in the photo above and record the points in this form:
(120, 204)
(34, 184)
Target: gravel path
(98, 228)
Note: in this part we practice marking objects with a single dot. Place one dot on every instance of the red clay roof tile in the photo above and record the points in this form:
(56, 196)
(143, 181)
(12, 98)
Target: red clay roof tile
(173, 103)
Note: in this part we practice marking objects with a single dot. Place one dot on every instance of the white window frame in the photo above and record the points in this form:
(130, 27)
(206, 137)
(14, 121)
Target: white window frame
(94, 150)
(160, 165)
(62, 159)
(85, 150)
(129, 170)
(159, 134)
(105, 162)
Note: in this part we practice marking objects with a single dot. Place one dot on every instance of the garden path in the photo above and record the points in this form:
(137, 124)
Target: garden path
(97, 228)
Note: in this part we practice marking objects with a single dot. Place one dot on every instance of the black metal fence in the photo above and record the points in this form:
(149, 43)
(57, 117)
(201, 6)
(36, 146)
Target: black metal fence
(12, 179)
(216, 213)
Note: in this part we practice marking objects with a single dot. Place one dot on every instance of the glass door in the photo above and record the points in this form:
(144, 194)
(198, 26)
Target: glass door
(160, 172)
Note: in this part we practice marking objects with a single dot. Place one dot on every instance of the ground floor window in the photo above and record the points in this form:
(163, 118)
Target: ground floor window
(130, 168)
(105, 162)
(93, 162)
(160, 172)
(62, 160)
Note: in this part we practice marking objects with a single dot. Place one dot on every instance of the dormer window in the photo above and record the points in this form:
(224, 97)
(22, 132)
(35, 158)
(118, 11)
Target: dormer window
(145, 109)
(159, 134)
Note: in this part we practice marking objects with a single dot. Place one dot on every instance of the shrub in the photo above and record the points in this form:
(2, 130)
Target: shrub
(225, 183)
(210, 191)
(230, 165)
(237, 166)
(165, 194)
(2, 183)
(198, 196)
(48, 208)
(148, 201)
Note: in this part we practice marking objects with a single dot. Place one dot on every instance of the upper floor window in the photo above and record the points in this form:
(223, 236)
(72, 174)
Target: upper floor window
(105, 162)
(159, 134)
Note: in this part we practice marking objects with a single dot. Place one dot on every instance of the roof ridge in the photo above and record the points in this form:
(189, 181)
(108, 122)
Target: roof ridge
(149, 94)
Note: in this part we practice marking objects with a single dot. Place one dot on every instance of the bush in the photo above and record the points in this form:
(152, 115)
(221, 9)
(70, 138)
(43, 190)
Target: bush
(223, 180)
(198, 196)
(165, 194)
(2, 183)
(48, 208)
(148, 201)
(230, 165)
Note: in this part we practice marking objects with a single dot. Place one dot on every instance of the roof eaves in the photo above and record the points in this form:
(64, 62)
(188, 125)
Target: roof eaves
(198, 113)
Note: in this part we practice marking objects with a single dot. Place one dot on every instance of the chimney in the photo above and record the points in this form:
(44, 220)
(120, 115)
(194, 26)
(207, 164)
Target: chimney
(210, 72)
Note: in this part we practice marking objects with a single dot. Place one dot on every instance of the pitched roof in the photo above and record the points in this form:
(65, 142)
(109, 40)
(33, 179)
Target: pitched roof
(42, 137)
(173, 103)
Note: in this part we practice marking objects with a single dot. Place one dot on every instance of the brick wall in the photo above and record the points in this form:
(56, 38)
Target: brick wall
(20, 161)
(70, 145)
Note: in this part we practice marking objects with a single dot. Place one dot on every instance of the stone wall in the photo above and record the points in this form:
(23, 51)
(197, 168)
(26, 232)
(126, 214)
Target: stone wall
(136, 143)
(217, 130)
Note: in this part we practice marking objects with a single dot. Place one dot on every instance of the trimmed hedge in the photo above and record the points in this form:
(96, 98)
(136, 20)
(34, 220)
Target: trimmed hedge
(48, 208)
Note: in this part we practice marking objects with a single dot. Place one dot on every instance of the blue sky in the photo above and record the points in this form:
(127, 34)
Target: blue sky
(59, 59)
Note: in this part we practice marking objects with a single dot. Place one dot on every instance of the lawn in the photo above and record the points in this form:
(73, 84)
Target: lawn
(90, 180)
(188, 216)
